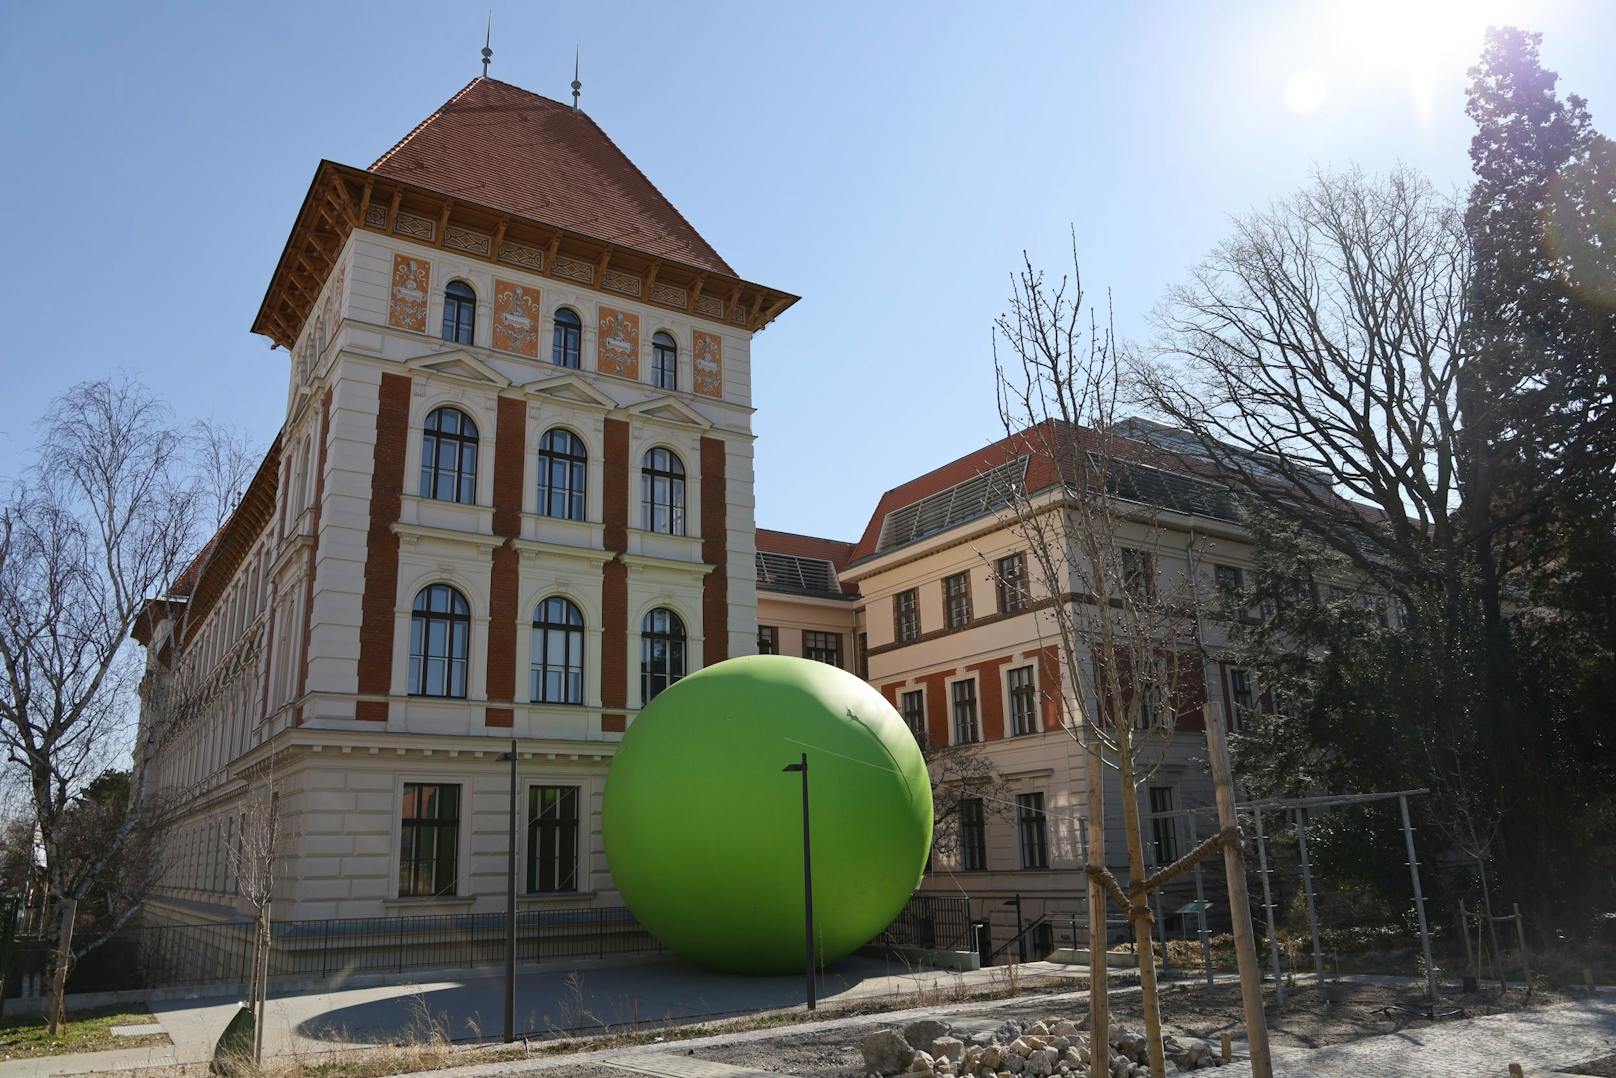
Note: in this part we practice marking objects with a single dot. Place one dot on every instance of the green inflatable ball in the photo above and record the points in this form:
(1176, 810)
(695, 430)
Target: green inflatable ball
(703, 828)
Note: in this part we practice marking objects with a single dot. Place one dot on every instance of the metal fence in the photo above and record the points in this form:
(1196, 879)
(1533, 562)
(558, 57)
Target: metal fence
(940, 922)
(201, 955)
(219, 955)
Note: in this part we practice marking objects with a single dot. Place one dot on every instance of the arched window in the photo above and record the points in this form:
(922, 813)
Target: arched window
(459, 312)
(449, 457)
(561, 475)
(662, 652)
(558, 653)
(440, 638)
(664, 362)
(568, 344)
(662, 493)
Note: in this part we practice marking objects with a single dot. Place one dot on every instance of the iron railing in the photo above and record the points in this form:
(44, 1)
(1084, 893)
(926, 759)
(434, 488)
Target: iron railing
(154, 956)
(934, 922)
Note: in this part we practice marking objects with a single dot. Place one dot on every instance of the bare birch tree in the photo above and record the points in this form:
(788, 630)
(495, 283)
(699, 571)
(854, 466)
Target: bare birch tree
(1125, 629)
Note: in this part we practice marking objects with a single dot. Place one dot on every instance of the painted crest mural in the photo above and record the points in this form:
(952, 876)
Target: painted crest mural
(618, 343)
(406, 305)
(516, 319)
(709, 354)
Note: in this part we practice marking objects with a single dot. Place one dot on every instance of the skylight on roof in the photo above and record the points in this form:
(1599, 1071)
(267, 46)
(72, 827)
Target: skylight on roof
(967, 500)
(790, 572)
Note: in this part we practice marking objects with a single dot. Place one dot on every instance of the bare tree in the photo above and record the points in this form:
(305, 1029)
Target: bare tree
(254, 861)
(960, 774)
(1314, 359)
(1124, 629)
(100, 527)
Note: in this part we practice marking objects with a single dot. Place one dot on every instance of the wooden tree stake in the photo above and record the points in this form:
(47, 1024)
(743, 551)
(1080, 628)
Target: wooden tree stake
(1234, 863)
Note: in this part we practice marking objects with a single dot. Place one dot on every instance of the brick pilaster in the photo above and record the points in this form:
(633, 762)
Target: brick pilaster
(715, 552)
(614, 575)
(510, 443)
(377, 607)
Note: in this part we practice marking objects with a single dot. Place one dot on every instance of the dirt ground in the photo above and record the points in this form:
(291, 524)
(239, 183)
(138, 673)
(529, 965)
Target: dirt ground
(1604, 1067)
(1310, 1018)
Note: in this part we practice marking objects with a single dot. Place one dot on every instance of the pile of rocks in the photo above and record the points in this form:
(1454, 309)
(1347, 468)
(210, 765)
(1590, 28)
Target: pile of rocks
(1053, 1047)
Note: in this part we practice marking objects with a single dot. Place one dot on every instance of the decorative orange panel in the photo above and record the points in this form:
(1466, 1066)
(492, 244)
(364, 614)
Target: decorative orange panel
(709, 364)
(617, 349)
(406, 306)
(516, 319)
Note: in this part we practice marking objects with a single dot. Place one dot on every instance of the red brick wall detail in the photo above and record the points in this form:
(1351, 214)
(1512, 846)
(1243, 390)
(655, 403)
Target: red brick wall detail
(936, 686)
(1049, 683)
(990, 696)
(381, 546)
(613, 724)
(510, 443)
(714, 551)
(314, 548)
(614, 635)
(891, 692)
(614, 574)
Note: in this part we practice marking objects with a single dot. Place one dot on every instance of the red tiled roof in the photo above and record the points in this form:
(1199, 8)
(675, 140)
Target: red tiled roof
(505, 147)
(834, 551)
(1042, 445)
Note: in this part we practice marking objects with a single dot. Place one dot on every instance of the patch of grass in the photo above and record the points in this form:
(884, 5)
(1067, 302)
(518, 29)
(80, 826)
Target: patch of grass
(28, 1036)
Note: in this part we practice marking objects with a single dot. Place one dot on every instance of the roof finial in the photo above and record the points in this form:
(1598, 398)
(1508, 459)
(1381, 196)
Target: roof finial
(488, 41)
(576, 85)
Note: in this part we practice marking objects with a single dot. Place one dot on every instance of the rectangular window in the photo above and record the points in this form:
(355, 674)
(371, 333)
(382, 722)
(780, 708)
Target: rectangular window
(1011, 577)
(906, 615)
(1376, 605)
(822, 647)
(1163, 828)
(913, 706)
(1242, 696)
(1023, 701)
(957, 600)
(768, 640)
(966, 727)
(1138, 573)
(973, 835)
(552, 838)
(1030, 821)
(1229, 581)
(429, 840)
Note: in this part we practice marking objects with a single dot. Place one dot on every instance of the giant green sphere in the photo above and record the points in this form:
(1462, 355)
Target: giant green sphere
(703, 828)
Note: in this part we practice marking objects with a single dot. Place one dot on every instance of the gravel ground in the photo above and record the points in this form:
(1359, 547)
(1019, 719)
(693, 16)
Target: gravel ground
(1604, 1067)
(1309, 1019)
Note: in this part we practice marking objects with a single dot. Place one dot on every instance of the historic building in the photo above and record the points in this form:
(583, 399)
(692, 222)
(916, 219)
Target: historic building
(512, 498)
(937, 606)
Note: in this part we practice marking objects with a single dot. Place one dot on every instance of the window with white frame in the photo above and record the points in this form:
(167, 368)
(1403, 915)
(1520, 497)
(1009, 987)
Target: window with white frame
(429, 840)
(1033, 829)
(967, 725)
(557, 670)
(552, 839)
(1023, 701)
(912, 705)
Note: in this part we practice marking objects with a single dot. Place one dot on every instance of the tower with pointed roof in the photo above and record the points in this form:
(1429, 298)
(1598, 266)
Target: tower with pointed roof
(512, 498)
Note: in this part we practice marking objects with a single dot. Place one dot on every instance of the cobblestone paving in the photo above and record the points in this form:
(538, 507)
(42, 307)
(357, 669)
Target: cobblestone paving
(1543, 1042)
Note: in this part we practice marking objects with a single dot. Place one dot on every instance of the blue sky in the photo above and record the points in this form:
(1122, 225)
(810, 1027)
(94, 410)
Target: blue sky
(887, 162)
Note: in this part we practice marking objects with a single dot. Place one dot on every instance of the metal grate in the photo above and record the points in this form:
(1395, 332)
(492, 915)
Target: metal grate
(789, 572)
(961, 502)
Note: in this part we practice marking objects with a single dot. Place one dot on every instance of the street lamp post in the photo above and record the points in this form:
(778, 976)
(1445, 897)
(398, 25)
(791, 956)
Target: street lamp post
(807, 882)
(510, 907)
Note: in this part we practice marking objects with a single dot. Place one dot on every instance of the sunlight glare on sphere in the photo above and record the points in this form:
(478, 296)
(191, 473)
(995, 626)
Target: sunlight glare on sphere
(1306, 91)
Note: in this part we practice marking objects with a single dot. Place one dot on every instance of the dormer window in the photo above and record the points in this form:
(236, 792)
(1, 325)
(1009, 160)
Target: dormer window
(664, 362)
(459, 312)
